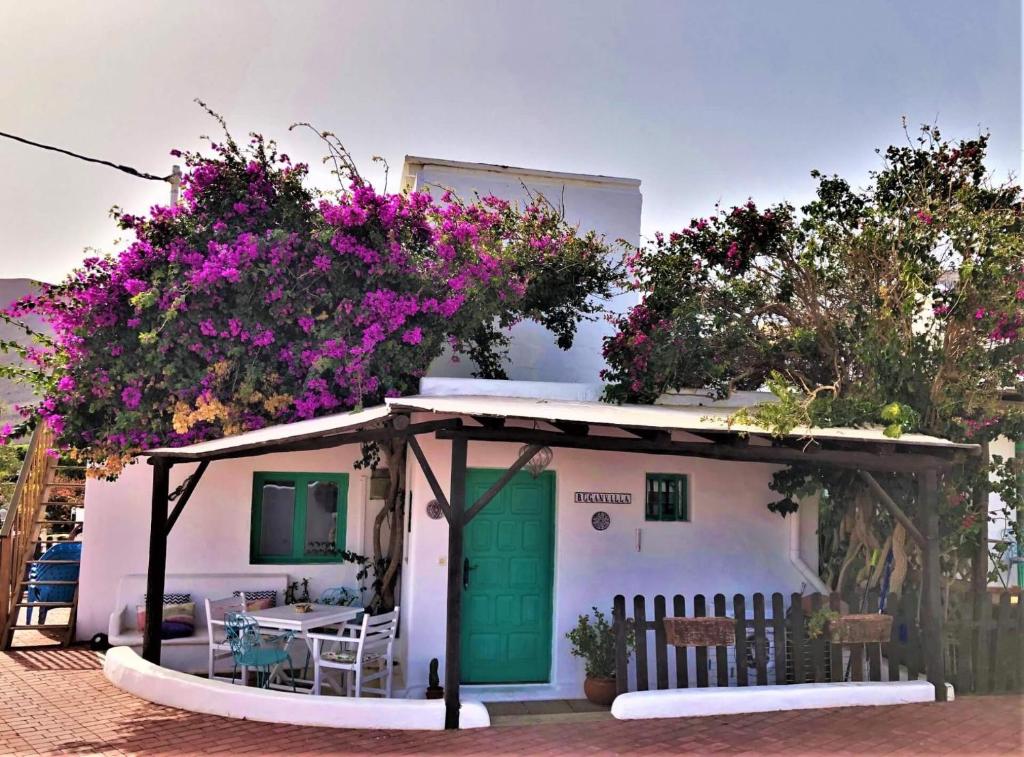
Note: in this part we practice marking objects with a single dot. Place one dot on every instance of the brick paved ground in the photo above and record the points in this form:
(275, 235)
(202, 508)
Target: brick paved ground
(59, 702)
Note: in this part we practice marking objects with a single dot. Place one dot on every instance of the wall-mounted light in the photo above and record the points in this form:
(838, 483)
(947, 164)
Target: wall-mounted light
(540, 461)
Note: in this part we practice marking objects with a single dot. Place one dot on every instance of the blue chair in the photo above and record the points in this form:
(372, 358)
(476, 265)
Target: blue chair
(65, 550)
(251, 649)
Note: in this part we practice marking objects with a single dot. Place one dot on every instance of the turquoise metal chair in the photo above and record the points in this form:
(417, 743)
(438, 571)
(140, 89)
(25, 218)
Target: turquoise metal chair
(251, 649)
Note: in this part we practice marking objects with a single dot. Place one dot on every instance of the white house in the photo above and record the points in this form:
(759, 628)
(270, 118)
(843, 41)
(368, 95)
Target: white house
(664, 517)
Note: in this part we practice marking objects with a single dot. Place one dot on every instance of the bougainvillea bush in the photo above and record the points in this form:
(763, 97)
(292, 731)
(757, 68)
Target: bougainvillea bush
(900, 304)
(258, 300)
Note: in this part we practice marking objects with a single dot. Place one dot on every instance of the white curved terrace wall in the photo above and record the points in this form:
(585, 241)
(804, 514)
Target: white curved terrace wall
(129, 672)
(680, 703)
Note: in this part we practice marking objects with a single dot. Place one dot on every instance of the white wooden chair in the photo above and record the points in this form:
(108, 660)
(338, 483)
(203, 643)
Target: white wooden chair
(372, 645)
(216, 609)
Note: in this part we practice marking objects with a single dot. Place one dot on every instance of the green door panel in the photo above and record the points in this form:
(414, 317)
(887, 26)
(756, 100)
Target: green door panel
(509, 546)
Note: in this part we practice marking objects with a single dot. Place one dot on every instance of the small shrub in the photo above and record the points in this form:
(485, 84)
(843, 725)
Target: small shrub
(594, 641)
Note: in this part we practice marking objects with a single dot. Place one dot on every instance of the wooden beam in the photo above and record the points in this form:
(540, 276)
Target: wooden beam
(650, 434)
(900, 463)
(453, 628)
(428, 473)
(312, 442)
(489, 421)
(573, 428)
(155, 573)
(893, 508)
(931, 610)
(497, 486)
(190, 486)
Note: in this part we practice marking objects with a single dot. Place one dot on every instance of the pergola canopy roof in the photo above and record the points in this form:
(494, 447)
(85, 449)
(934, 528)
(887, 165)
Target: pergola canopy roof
(345, 428)
(694, 419)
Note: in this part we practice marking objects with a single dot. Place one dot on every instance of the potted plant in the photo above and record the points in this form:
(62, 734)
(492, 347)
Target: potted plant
(594, 641)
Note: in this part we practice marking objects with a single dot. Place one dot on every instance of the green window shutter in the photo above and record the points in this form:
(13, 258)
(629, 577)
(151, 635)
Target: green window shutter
(667, 497)
(298, 518)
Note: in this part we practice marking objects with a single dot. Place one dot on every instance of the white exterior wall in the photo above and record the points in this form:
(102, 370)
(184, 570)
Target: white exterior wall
(732, 544)
(610, 206)
(212, 534)
(1004, 448)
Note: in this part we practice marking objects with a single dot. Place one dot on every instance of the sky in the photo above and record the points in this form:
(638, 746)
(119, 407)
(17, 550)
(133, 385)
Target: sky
(704, 101)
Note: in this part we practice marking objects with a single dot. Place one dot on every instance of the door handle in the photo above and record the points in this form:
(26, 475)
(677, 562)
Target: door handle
(466, 568)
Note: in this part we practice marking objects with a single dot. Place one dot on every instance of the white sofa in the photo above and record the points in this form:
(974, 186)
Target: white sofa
(187, 654)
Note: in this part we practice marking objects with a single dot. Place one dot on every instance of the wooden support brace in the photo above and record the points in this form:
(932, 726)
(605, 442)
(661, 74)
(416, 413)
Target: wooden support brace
(890, 505)
(186, 492)
(428, 473)
(491, 493)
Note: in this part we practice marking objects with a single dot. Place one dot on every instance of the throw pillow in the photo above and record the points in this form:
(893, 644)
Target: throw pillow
(261, 599)
(178, 620)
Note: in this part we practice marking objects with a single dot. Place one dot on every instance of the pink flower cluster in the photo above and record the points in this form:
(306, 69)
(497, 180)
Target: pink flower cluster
(252, 303)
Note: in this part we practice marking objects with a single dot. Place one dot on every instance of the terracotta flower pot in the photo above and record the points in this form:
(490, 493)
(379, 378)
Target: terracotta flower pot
(600, 690)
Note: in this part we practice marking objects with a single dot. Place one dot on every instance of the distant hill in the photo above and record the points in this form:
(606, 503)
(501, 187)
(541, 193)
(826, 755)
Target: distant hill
(12, 394)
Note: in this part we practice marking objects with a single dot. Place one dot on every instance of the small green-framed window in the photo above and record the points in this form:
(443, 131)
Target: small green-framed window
(667, 497)
(298, 517)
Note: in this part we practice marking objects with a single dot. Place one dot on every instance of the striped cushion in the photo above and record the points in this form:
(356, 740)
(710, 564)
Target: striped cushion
(174, 598)
(258, 600)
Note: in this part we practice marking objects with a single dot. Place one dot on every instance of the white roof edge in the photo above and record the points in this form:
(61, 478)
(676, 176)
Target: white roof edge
(415, 160)
(678, 418)
(312, 428)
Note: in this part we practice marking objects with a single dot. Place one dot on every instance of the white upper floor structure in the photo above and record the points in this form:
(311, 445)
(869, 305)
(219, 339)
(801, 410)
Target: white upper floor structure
(608, 205)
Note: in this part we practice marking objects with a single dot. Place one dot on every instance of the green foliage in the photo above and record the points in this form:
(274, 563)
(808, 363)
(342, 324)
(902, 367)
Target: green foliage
(594, 641)
(261, 300)
(818, 620)
(899, 305)
(11, 458)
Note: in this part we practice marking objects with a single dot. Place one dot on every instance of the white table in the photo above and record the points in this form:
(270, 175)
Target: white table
(286, 618)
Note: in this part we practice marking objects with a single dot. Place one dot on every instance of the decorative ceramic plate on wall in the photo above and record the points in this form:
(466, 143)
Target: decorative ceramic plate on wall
(600, 520)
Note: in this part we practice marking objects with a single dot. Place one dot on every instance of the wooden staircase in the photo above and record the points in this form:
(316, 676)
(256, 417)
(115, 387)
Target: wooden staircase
(41, 514)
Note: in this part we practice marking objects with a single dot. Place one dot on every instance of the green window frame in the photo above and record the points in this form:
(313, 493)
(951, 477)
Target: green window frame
(295, 548)
(667, 497)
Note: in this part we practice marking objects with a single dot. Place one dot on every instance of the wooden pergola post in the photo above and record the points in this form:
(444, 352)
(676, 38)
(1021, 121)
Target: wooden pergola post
(453, 632)
(934, 653)
(979, 568)
(157, 569)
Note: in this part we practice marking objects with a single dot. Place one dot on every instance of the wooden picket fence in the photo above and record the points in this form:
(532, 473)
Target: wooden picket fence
(771, 647)
(985, 644)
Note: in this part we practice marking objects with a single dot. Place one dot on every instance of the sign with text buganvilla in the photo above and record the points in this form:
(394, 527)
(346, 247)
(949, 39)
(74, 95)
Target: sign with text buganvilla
(604, 498)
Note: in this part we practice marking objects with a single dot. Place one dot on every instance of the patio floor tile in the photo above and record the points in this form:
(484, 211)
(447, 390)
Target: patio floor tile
(58, 702)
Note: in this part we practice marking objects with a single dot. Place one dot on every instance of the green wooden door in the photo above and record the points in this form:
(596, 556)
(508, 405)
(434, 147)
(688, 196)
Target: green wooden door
(509, 547)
